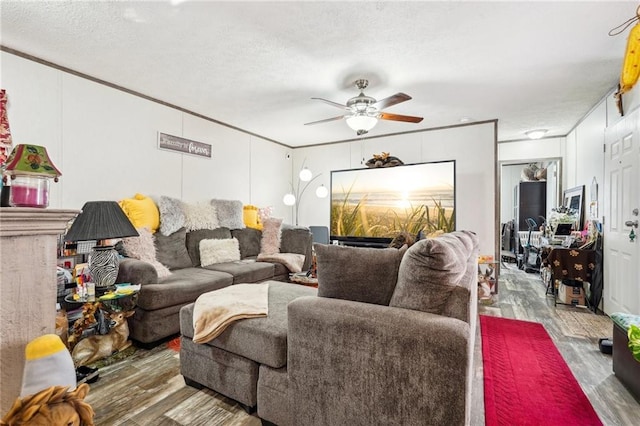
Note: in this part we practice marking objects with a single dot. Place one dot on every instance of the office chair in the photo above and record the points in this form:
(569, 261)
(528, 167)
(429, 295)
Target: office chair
(532, 259)
(320, 234)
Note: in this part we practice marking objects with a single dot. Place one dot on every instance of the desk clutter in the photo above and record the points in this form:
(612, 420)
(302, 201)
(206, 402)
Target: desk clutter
(573, 276)
(91, 322)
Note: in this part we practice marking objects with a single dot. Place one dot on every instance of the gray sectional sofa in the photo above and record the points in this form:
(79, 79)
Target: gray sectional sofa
(160, 299)
(387, 338)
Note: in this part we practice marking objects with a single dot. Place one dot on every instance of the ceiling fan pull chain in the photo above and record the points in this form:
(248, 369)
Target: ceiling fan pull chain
(626, 24)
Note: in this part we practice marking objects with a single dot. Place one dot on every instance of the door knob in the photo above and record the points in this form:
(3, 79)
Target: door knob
(633, 223)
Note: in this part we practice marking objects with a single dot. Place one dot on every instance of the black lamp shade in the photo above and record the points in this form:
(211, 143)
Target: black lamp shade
(101, 220)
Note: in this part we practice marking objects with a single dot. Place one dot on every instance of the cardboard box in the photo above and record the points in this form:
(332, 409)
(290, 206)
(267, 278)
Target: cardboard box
(571, 295)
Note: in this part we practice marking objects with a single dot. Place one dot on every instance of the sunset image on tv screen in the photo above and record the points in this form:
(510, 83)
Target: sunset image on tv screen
(381, 202)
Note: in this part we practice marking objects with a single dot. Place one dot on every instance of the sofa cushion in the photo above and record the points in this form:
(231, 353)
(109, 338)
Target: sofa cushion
(200, 215)
(263, 340)
(431, 269)
(360, 274)
(171, 215)
(219, 251)
(250, 217)
(249, 240)
(229, 213)
(141, 211)
(297, 239)
(271, 233)
(280, 271)
(171, 250)
(143, 248)
(182, 286)
(194, 238)
(245, 271)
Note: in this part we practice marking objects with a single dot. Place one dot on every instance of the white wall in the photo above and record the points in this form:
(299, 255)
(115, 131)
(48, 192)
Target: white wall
(473, 148)
(526, 151)
(588, 161)
(509, 178)
(105, 143)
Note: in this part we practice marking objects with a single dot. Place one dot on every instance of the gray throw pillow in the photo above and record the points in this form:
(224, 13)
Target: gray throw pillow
(356, 273)
(432, 268)
(295, 239)
(171, 215)
(171, 250)
(194, 238)
(229, 212)
(249, 240)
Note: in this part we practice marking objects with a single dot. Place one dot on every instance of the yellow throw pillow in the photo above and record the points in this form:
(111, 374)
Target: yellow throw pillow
(250, 217)
(142, 212)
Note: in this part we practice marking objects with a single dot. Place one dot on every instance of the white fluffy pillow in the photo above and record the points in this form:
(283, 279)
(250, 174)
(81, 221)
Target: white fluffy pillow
(200, 215)
(219, 251)
(142, 248)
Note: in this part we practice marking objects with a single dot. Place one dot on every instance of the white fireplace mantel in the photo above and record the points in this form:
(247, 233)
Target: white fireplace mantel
(28, 254)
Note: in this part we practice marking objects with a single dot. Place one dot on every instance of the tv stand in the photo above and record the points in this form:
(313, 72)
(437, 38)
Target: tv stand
(360, 243)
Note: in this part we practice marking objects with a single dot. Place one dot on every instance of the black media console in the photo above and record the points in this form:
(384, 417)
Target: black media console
(363, 242)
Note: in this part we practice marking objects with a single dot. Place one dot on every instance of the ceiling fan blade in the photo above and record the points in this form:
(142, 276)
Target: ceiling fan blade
(398, 117)
(326, 120)
(335, 104)
(391, 100)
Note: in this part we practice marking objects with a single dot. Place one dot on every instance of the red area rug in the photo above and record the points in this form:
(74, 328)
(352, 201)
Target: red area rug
(526, 380)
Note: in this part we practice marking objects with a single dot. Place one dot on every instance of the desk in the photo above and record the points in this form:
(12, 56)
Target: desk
(569, 264)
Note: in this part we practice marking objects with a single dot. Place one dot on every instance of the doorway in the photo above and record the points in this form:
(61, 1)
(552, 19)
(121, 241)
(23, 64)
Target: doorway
(514, 210)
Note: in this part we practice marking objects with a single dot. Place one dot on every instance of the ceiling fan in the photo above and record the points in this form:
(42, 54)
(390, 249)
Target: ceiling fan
(364, 111)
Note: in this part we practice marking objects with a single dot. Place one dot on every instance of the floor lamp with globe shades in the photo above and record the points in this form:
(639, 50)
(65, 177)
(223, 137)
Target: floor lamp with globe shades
(294, 197)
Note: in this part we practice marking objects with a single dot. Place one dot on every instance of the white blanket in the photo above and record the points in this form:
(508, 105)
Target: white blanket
(215, 310)
(293, 261)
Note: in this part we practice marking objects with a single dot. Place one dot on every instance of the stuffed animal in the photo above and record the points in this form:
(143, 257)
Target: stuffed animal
(401, 239)
(49, 395)
(54, 405)
(383, 160)
(100, 346)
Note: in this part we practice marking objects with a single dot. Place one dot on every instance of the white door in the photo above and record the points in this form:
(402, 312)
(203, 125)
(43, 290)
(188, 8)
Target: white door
(621, 292)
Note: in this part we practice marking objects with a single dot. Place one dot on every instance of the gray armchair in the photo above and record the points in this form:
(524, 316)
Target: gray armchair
(354, 363)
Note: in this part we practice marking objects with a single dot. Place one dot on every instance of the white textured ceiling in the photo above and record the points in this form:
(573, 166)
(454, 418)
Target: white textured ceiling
(255, 65)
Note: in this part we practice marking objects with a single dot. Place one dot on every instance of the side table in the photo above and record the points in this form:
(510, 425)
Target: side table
(119, 301)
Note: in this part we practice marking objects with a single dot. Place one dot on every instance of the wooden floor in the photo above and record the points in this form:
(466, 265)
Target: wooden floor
(147, 389)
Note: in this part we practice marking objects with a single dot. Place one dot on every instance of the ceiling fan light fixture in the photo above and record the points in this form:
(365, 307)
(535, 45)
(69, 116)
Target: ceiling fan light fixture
(363, 122)
(536, 134)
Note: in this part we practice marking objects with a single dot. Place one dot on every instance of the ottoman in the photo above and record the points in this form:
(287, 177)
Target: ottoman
(625, 366)
(232, 363)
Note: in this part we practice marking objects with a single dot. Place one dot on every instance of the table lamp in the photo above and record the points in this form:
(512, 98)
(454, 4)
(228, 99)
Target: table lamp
(30, 170)
(102, 220)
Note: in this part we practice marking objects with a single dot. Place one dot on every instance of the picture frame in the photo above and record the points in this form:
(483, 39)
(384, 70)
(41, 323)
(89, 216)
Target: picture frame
(574, 198)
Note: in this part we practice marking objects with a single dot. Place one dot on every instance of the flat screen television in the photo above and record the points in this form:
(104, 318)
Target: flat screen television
(369, 207)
